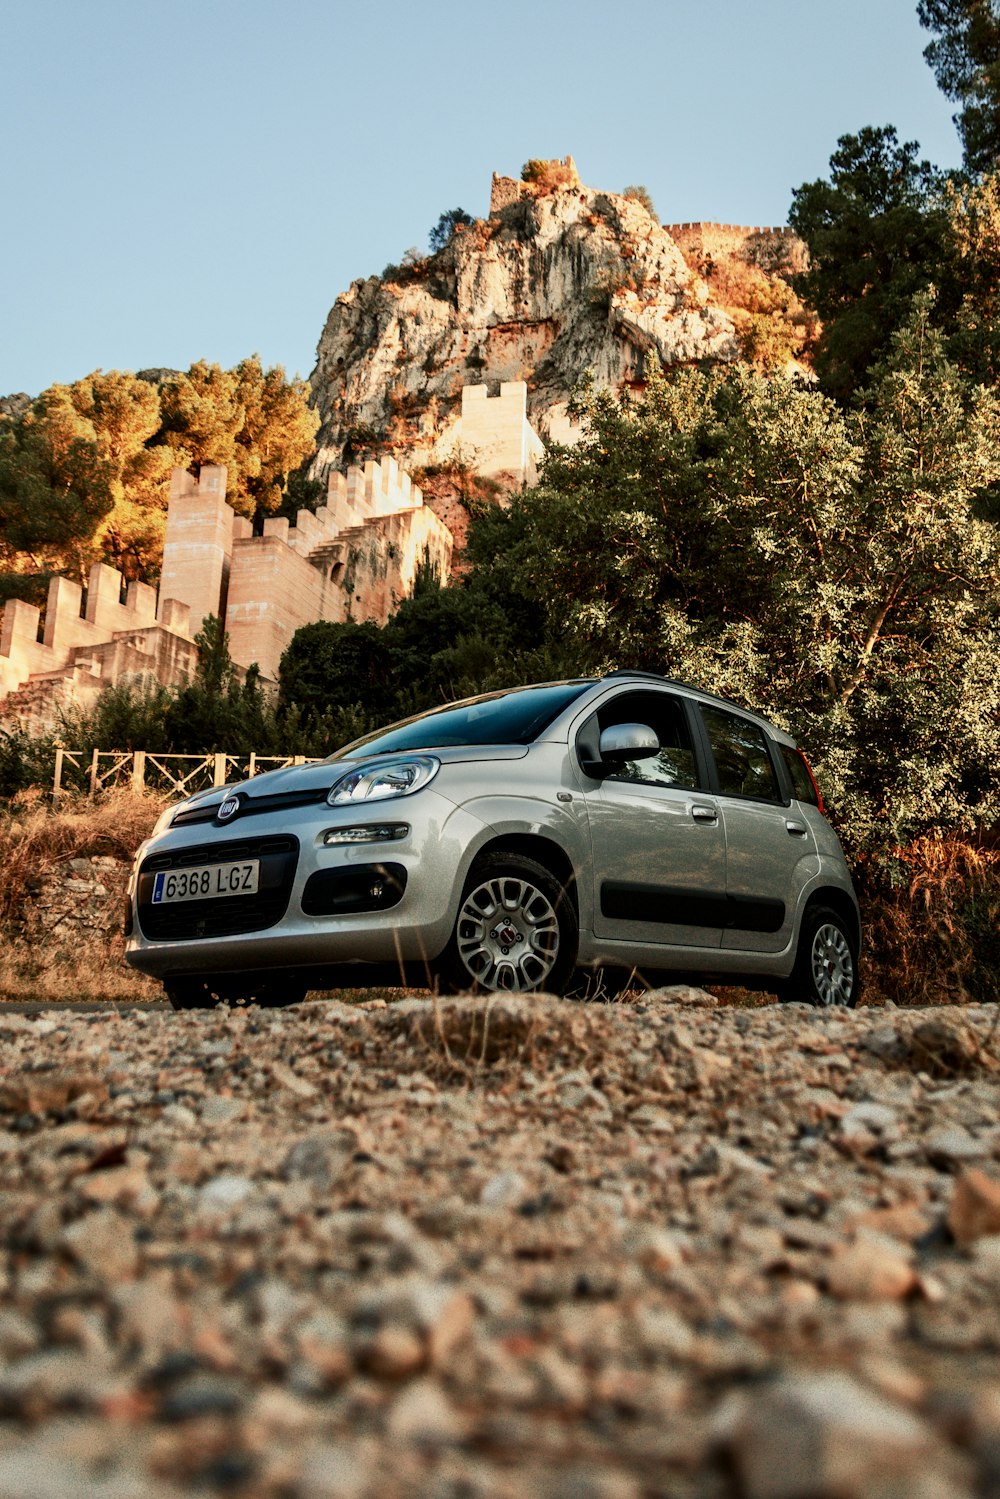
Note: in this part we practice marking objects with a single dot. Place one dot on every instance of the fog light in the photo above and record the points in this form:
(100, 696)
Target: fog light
(380, 832)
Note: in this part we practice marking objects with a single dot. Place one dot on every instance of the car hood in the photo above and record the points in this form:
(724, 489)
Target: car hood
(319, 776)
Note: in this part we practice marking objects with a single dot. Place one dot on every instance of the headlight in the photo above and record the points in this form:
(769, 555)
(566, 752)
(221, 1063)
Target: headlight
(381, 779)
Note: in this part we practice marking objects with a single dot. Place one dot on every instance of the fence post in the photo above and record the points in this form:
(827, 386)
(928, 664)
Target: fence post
(219, 774)
(93, 774)
(252, 768)
(57, 777)
(139, 770)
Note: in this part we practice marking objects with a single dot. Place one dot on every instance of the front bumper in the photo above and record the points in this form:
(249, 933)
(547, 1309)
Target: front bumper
(317, 905)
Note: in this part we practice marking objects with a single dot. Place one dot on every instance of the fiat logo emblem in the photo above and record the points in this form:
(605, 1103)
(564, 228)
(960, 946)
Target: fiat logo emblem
(228, 809)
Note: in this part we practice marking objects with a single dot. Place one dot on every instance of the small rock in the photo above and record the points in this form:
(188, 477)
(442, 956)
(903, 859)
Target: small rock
(103, 1243)
(320, 1158)
(813, 1434)
(423, 1414)
(503, 1190)
(680, 994)
(974, 1210)
(393, 1353)
(953, 1146)
(225, 1192)
(219, 1110)
(290, 1080)
(870, 1269)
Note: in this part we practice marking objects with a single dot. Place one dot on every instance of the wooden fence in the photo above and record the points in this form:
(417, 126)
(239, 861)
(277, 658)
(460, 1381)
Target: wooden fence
(167, 775)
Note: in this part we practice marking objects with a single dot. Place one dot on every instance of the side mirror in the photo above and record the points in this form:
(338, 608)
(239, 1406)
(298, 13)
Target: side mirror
(627, 741)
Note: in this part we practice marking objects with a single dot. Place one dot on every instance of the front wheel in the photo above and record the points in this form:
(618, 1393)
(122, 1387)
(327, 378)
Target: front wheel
(516, 929)
(826, 965)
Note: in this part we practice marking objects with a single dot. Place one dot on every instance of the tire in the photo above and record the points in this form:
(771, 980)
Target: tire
(826, 964)
(201, 994)
(511, 896)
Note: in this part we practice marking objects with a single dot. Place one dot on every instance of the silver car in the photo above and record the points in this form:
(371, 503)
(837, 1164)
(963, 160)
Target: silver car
(513, 841)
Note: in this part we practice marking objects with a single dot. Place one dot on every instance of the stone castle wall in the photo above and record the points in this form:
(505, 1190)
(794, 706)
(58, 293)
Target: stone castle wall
(493, 434)
(507, 190)
(356, 558)
(752, 241)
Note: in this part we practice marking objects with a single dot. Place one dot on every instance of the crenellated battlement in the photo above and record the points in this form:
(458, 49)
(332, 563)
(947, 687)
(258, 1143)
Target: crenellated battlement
(745, 231)
(775, 242)
(493, 433)
(354, 557)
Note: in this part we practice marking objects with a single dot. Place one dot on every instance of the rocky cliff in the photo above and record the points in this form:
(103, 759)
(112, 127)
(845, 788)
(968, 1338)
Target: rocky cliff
(559, 280)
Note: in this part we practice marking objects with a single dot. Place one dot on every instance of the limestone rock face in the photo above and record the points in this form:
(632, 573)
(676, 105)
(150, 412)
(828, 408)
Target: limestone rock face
(552, 285)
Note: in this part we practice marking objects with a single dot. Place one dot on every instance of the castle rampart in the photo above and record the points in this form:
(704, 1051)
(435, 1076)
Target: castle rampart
(70, 623)
(355, 557)
(493, 433)
(777, 241)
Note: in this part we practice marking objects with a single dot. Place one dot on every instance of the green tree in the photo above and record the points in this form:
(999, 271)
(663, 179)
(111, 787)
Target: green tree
(123, 413)
(974, 343)
(256, 422)
(329, 667)
(838, 570)
(445, 227)
(641, 195)
(56, 487)
(965, 57)
(277, 435)
(878, 232)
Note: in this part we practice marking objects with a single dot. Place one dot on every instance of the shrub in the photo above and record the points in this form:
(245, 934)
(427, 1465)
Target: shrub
(640, 194)
(548, 176)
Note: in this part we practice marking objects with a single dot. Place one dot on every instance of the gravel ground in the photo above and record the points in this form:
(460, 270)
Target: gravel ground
(519, 1248)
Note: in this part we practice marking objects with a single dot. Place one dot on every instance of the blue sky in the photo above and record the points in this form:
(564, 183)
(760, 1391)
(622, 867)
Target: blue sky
(201, 178)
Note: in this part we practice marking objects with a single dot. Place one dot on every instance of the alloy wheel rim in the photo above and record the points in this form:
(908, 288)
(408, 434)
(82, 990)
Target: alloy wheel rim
(832, 966)
(507, 935)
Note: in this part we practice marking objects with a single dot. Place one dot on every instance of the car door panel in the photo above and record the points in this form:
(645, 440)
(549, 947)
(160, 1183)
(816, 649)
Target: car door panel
(659, 847)
(660, 873)
(768, 864)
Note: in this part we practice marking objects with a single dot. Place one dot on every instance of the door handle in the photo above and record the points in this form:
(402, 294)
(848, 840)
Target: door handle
(796, 829)
(706, 814)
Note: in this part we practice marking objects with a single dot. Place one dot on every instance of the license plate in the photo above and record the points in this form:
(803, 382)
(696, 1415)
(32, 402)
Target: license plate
(208, 882)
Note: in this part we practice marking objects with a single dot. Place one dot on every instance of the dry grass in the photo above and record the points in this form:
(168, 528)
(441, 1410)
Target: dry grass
(36, 846)
(932, 923)
(36, 842)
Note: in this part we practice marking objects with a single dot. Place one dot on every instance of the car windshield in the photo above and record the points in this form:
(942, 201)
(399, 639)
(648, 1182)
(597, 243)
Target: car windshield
(515, 717)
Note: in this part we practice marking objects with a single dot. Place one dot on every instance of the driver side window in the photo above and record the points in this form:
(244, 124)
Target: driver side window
(675, 763)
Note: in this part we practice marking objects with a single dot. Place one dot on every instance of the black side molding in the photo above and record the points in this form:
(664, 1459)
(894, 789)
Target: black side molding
(664, 905)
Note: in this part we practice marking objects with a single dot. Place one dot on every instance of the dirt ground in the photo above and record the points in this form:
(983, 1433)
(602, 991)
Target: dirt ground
(519, 1247)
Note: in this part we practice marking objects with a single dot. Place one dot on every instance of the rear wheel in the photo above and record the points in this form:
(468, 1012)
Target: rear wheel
(516, 929)
(826, 965)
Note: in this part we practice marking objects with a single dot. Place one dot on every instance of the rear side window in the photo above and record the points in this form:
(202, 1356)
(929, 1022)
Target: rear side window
(803, 785)
(741, 756)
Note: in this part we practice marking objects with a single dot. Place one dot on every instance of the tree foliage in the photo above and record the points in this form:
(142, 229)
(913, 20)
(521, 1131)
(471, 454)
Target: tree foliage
(975, 224)
(446, 226)
(641, 194)
(878, 231)
(84, 471)
(838, 570)
(965, 57)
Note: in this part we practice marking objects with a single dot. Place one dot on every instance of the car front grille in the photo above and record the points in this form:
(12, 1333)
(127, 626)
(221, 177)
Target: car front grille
(186, 921)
